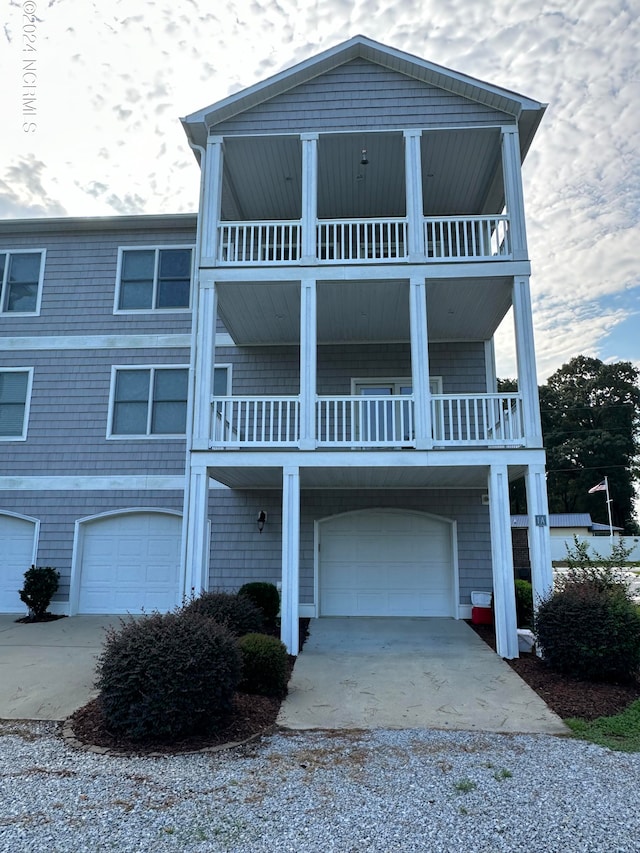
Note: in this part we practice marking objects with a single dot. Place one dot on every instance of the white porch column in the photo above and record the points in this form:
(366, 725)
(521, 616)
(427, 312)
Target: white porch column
(504, 594)
(210, 214)
(308, 361)
(204, 359)
(195, 532)
(526, 361)
(290, 595)
(514, 198)
(309, 196)
(539, 542)
(413, 182)
(420, 362)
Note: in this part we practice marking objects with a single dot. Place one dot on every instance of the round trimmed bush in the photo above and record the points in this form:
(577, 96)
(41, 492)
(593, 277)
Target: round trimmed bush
(40, 585)
(237, 612)
(590, 632)
(524, 604)
(167, 676)
(265, 665)
(266, 597)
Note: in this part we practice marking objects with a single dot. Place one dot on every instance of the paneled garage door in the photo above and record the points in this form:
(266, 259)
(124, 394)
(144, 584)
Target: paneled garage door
(381, 563)
(130, 563)
(17, 539)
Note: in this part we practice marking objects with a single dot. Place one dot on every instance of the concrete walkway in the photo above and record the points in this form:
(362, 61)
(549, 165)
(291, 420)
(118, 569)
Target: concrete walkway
(47, 669)
(364, 673)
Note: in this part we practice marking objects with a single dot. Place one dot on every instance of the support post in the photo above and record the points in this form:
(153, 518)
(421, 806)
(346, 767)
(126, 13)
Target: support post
(514, 197)
(309, 196)
(504, 593)
(195, 532)
(308, 363)
(420, 362)
(539, 542)
(212, 198)
(526, 361)
(204, 359)
(415, 206)
(290, 595)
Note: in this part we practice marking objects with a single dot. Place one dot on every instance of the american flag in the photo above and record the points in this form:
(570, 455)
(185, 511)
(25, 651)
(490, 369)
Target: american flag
(601, 487)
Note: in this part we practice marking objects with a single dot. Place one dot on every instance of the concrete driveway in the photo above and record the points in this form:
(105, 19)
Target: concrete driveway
(47, 669)
(364, 673)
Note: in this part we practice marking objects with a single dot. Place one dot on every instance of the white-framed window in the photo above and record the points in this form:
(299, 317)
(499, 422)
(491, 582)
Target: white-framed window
(154, 278)
(148, 401)
(151, 400)
(21, 274)
(15, 399)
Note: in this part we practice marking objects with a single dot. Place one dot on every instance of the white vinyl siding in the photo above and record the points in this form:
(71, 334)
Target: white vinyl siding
(21, 282)
(154, 279)
(147, 401)
(15, 395)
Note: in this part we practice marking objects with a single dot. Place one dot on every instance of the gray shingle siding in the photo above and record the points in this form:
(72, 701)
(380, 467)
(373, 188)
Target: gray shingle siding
(79, 285)
(360, 96)
(69, 412)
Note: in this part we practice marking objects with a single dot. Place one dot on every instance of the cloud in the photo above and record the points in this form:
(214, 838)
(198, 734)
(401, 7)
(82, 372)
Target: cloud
(22, 193)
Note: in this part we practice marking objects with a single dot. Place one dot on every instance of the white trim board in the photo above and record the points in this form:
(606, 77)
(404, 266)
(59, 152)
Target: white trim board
(139, 482)
(80, 342)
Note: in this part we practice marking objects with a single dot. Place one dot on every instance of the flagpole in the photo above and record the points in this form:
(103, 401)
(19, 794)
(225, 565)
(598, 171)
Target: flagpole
(606, 485)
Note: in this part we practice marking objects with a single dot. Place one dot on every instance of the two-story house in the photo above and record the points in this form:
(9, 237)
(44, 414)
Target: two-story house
(302, 388)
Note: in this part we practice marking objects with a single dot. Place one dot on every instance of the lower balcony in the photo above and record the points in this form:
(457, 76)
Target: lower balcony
(360, 423)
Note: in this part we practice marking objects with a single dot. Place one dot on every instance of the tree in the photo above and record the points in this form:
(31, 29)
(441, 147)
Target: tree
(590, 418)
(590, 415)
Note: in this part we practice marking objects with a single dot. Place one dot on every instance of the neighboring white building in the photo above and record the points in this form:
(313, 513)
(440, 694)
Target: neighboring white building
(329, 363)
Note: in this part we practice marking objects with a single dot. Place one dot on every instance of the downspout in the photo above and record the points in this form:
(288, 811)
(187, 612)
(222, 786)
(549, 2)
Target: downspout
(186, 593)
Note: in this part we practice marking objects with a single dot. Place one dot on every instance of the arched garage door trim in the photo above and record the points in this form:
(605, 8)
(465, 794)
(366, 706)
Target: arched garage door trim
(84, 524)
(14, 573)
(321, 524)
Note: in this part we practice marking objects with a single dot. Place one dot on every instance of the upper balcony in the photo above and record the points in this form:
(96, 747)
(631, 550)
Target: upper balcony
(435, 197)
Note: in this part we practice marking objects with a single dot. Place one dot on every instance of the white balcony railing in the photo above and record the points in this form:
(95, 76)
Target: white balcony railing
(365, 421)
(453, 238)
(255, 422)
(461, 420)
(364, 241)
(361, 240)
(477, 419)
(259, 243)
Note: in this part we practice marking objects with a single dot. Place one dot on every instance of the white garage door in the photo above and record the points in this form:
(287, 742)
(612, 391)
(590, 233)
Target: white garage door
(386, 564)
(130, 563)
(17, 540)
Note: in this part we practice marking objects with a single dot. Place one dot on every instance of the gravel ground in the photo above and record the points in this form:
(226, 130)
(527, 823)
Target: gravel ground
(375, 791)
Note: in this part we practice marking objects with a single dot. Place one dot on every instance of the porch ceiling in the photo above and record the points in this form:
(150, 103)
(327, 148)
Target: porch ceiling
(358, 311)
(460, 174)
(360, 476)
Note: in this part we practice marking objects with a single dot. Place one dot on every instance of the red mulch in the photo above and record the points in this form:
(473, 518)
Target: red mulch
(568, 697)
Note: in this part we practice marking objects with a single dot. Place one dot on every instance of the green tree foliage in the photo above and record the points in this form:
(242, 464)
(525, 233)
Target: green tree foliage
(590, 422)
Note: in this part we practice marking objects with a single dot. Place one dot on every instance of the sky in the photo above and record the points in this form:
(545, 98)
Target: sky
(91, 95)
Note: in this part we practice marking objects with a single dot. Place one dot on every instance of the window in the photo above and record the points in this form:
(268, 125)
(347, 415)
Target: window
(149, 401)
(15, 395)
(154, 279)
(20, 281)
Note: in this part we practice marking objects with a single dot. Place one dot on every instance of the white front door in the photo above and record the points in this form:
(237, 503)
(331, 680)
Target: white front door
(17, 553)
(130, 563)
(386, 563)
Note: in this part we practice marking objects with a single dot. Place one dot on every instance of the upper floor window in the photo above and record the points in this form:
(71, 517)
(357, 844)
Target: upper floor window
(15, 395)
(21, 281)
(154, 279)
(149, 401)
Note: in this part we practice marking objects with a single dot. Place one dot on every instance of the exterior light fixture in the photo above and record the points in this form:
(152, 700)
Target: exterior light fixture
(262, 519)
(364, 161)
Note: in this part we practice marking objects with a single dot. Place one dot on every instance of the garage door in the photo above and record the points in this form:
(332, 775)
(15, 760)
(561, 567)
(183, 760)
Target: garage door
(130, 563)
(17, 544)
(386, 564)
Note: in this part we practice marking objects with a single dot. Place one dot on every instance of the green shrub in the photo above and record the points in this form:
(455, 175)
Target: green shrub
(167, 675)
(524, 604)
(266, 597)
(237, 612)
(40, 585)
(265, 665)
(590, 631)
